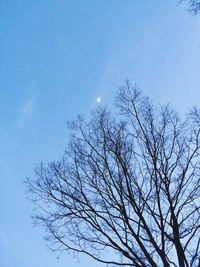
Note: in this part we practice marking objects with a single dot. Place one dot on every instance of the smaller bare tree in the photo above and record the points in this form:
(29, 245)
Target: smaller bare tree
(127, 190)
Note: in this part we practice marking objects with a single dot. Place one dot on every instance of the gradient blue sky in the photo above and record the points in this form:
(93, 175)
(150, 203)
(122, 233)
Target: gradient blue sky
(56, 57)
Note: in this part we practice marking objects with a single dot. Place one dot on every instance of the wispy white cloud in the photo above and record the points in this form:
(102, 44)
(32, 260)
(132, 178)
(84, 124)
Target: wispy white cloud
(28, 106)
(27, 110)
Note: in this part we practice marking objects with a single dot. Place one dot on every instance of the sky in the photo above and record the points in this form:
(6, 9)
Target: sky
(56, 58)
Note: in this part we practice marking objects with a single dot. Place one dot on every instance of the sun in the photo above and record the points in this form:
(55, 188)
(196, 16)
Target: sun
(98, 99)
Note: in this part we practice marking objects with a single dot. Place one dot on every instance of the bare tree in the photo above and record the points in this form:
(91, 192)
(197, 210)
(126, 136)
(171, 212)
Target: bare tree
(194, 6)
(127, 190)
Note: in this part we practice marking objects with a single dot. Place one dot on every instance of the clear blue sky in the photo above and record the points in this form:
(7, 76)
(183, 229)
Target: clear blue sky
(56, 57)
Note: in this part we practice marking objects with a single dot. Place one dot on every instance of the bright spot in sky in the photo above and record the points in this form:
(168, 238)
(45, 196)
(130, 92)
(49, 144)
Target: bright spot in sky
(98, 99)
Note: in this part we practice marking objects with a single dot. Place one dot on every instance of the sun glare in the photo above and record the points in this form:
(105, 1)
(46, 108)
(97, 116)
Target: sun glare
(98, 99)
